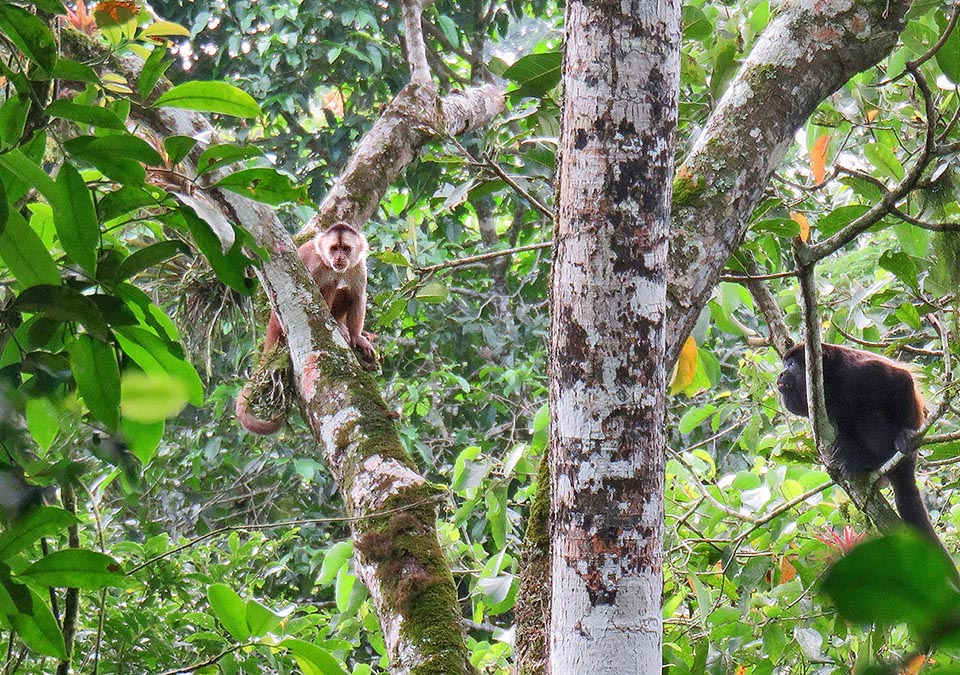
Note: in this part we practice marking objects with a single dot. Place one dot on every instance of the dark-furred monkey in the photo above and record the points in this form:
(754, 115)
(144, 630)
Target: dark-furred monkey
(873, 405)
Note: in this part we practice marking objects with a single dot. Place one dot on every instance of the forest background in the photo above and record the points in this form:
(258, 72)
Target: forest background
(128, 330)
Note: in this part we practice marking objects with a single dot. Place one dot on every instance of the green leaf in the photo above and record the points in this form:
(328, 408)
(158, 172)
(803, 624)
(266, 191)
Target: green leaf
(151, 397)
(26, 612)
(884, 159)
(43, 521)
(343, 589)
(211, 97)
(178, 147)
(694, 418)
(93, 115)
(95, 369)
(260, 619)
(30, 34)
(117, 157)
(147, 257)
(901, 578)
(76, 219)
(336, 557)
(313, 660)
(73, 71)
(75, 568)
(13, 118)
(230, 609)
(24, 254)
(264, 185)
(786, 228)
(230, 267)
(948, 57)
(908, 314)
(432, 292)
(696, 25)
(220, 155)
(142, 439)
(24, 167)
(839, 218)
(64, 304)
(43, 421)
(154, 356)
(535, 74)
(153, 69)
(901, 266)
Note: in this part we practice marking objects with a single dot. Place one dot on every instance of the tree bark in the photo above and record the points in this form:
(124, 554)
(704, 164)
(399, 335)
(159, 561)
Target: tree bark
(607, 372)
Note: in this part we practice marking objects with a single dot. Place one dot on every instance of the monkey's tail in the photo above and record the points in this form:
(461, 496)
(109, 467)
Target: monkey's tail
(249, 421)
(906, 494)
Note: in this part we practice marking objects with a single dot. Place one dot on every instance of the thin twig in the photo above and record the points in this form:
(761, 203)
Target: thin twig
(481, 257)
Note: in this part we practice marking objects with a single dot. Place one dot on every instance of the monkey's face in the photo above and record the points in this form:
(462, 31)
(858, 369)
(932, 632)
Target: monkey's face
(792, 385)
(341, 255)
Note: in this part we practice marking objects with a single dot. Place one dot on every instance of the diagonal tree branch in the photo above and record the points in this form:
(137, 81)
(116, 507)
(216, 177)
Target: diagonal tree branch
(807, 52)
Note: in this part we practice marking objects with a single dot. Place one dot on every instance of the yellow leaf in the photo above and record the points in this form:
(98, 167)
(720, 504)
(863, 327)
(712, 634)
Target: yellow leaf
(164, 29)
(872, 114)
(804, 224)
(686, 366)
(742, 670)
(818, 158)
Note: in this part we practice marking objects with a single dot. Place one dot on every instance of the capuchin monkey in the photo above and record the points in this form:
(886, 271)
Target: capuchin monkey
(873, 405)
(336, 259)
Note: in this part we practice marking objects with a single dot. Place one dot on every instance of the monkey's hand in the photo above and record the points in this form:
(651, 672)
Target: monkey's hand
(364, 346)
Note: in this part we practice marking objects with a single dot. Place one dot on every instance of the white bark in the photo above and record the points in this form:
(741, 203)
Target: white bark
(607, 367)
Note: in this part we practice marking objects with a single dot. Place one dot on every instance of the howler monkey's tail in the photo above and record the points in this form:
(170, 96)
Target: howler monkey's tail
(903, 479)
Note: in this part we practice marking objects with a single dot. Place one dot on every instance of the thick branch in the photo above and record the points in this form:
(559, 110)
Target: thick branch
(412, 119)
(806, 53)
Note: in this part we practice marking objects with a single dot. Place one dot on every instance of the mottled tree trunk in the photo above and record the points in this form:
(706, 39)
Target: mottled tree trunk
(607, 360)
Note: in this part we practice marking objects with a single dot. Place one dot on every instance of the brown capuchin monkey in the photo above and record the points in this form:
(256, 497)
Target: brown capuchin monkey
(336, 259)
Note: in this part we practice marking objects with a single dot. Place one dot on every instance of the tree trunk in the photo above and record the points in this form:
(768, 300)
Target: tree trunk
(607, 368)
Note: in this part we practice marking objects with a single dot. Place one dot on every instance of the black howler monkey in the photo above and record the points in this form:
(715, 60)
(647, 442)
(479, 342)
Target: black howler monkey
(873, 405)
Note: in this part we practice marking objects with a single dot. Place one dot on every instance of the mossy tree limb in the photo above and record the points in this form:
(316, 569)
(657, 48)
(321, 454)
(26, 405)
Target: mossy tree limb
(808, 51)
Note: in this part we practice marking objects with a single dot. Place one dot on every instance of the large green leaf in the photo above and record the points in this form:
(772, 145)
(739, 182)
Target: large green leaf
(948, 57)
(230, 609)
(149, 256)
(23, 610)
(30, 34)
(535, 74)
(43, 521)
(900, 578)
(264, 185)
(313, 660)
(64, 304)
(75, 568)
(95, 369)
(220, 155)
(24, 254)
(151, 397)
(93, 115)
(153, 355)
(212, 97)
(76, 219)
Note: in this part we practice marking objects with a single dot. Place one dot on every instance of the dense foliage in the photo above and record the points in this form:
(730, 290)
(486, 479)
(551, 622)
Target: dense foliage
(122, 303)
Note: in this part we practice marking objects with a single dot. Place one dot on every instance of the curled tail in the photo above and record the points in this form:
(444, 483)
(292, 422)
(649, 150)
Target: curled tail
(249, 421)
